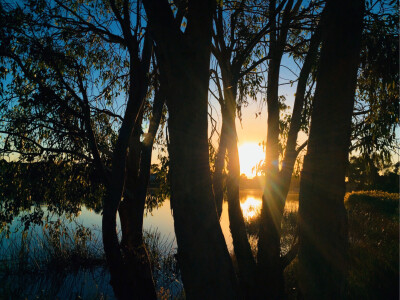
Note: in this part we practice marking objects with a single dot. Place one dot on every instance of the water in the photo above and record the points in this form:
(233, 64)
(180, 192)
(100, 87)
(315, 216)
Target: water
(93, 284)
(162, 220)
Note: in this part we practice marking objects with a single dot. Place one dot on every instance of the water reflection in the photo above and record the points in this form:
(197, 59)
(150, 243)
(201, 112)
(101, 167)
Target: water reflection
(162, 220)
(251, 208)
(251, 202)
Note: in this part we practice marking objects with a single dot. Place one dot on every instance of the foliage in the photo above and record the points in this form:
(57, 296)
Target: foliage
(64, 92)
(161, 191)
(373, 172)
(374, 245)
(63, 250)
(377, 107)
(51, 71)
(62, 186)
(383, 202)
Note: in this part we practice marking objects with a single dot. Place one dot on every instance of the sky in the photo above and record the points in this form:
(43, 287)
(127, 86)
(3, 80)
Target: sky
(251, 129)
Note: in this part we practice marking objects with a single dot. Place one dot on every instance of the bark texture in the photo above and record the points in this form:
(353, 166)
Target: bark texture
(206, 267)
(322, 216)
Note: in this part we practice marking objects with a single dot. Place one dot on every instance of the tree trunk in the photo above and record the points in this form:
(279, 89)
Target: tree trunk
(322, 216)
(241, 245)
(218, 184)
(295, 123)
(269, 272)
(203, 257)
(269, 268)
(132, 207)
(123, 277)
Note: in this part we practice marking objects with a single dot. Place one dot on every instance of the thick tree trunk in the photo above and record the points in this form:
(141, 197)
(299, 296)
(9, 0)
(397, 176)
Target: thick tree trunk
(122, 280)
(207, 270)
(136, 258)
(322, 216)
(206, 267)
(134, 278)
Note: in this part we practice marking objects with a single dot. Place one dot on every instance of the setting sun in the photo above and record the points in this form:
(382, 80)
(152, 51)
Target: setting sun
(250, 154)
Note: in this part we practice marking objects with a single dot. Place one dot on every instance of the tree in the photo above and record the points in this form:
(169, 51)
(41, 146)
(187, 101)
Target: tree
(376, 112)
(75, 66)
(270, 269)
(241, 49)
(232, 52)
(183, 47)
(58, 53)
(373, 172)
(322, 216)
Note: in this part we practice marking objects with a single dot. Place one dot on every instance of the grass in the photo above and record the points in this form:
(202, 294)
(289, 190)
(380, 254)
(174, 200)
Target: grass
(165, 269)
(58, 260)
(373, 218)
(67, 261)
(53, 247)
(374, 245)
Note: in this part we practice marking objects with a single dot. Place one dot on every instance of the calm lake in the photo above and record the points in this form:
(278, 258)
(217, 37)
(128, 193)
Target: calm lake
(161, 219)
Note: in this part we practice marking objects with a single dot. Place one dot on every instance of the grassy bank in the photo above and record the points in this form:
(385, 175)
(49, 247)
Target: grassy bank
(68, 262)
(373, 218)
(374, 245)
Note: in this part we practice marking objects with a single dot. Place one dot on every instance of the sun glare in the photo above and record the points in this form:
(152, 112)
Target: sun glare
(250, 154)
(251, 208)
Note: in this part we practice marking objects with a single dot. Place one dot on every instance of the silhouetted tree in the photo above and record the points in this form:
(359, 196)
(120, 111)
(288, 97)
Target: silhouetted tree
(183, 48)
(376, 111)
(71, 67)
(322, 217)
(61, 62)
(240, 45)
(270, 268)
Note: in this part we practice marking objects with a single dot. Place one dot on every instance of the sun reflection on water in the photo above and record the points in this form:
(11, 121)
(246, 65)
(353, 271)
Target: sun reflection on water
(251, 208)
